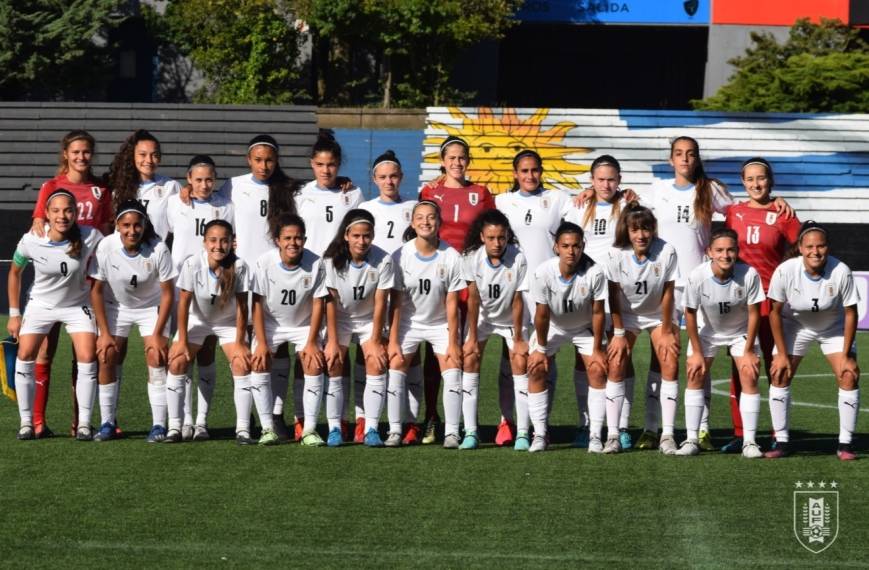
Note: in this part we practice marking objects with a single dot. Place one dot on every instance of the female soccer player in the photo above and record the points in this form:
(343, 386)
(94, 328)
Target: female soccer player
(133, 176)
(642, 272)
(813, 300)
(728, 294)
(425, 306)
(495, 270)
(133, 275)
(59, 295)
(569, 292)
(213, 301)
(359, 277)
(288, 307)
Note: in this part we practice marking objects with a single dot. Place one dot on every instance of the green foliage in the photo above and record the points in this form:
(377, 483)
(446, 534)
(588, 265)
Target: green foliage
(820, 68)
(56, 49)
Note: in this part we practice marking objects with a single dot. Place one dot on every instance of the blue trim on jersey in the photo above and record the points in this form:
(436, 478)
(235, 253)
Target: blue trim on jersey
(489, 263)
(537, 192)
(818, 278)
(685, 188)
(290, 269)
(199, 201)
(637, 261)
(379, 201)
(426, 259)
(257, 182)
(56, 243)
(212, 274)
(722, 283)
(138, 253)
(604, 203)
(360, 266)
(567, 281)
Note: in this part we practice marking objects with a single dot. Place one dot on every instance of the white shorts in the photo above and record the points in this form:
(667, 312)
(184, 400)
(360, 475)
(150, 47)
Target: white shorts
(197, 332)
(798, 340)
(583, 341)
(486, 329)
(410, 338)
(736, 344)
(40, 320)
(276, 336)
(122, 320)
(350, 330)
(639, 323)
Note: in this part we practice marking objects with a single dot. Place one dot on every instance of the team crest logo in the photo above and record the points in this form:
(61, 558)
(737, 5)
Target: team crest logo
(740, 292)
(771, 217)
(583, 291)
(407, 216)
(346, 199)
(473, 198)
(831, 291)
(657, 269)
(306, 282)
(816, 515)
(442, 272)
(97, 192)
(148, 266)
(509, 276)
(372, 276)
(544, 203)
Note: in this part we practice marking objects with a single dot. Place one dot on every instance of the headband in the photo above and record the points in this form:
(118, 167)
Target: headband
(128, 210)
(757, 163)
(385, 161)
(355, 221)
(426, 203)
(812, 227)
(264, 143)
(60, 192)
(453, 140)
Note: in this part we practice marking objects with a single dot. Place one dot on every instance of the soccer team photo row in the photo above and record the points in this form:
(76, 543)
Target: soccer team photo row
(265, 262)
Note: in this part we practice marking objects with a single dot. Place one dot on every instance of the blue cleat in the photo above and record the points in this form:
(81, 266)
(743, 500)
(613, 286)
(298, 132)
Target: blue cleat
(625, 439)
(107, 432)
(471, 441)
(157, 434)
(732, 446)
(523, 442)
(581, 439)
(372, 438)
(335, 439)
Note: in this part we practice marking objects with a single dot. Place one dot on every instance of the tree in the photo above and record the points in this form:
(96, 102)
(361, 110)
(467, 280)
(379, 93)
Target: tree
(56, 49)
(820, 68)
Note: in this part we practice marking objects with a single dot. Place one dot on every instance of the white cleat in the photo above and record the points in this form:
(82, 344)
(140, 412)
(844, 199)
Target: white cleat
(538, 444)
(452, 441)
(612, 445)
(393, 440)
(595, 445)
(688, 447)
(667, 445)
(751, 451)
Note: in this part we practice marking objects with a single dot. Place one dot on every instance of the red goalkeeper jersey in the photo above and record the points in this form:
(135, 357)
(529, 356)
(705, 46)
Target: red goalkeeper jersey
(94, 201)
(764, 236)
(459, 208)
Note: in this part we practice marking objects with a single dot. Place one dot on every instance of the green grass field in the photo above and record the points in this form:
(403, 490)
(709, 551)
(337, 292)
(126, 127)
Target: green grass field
(129, 504)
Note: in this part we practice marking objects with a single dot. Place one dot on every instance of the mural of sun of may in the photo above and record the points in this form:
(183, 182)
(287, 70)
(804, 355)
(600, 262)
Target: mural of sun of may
(494, 141)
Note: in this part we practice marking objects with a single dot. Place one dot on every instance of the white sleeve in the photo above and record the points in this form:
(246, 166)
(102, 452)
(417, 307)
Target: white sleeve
(521, 273)
(242, 278)
(849, 294)
(778, 286)
(754, 289)
(165, 267)
(612, 265)
(600, 287)
(22, 247)
(387, 275)
(258, 279)
(158, 220)
(468, 262)
(455, 279)
(721, 198)
(671, 271)
(398, 274)
(320, 282)
(330, 279)
(186, 277)
(539, 289)
(96, 269)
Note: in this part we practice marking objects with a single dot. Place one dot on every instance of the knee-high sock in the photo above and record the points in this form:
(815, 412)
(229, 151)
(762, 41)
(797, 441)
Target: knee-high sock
(520, 390)
(653, 401)
(176, 385)
(849, 405)
(157, 395)
(243, 402)
(615, 397)
(313, 395)
(261, 390)
(335, 402)
(506, 395)
(42, 382)
(84, 391)
(280, 379)
(669, 405)
(395, 395)
(597, 404)
(470, 390)
(346, 386)
(205, 390)
(452, 400)
(779, 410)
(414, 389)
(707, 399)
(373, 398)
(749, 410)
(25, 390)
(108, 395)
(628, 404)
(693, 412)
(580, 387)
(119, 377)
(359, 379)
(538, 409)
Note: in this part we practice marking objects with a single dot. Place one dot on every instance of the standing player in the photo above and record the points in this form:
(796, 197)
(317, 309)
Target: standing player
(425, 306)
(133, 275)
(359, 277)
(813, 300)
(728, 294)
(59, 295)
(495, 270)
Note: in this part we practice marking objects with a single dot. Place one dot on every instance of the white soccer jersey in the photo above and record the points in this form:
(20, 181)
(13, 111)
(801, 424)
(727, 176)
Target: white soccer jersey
(570, 302)
(196, 277)
(673, 206)
(288, 293)
(818, 303)
(390, 221)
(600, 231)
(60, 281)
(642, 284)
(724, 305)
(425, 282)
(497, 284)
(187, 223)
(250, 202)
(355, 285)
(322, 209)
(154, 195)
(534, 219)
(133, 281)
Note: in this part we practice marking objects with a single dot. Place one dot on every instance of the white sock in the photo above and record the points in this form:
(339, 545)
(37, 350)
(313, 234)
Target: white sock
(280, 379)
(108, 394)
(506, 396)
(157, 395)
(538, 409)
(749, 409)
(359, 379)
(707, 398)
(653, 401)
(625, 417)
(188, 396)
(580, 388)
(243, 400)
(346, 386)
(373, 399)
(335, 402)
(84, 391)
(395, 395)
(520, 390)
(261, 390)
(849, 405)
(470, 390)
(693, 412)
(452, 400)
(414, 389)
(205, 391)
(299, 394)
(553, 381)
(119, 376)
(669, 405)
(313, 394)
(779, 410)
(25, 390)
(615, 397)
(596, 411)
(176, 385)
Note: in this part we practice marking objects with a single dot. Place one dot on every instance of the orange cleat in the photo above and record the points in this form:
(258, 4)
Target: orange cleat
(359, 433)
(506, 434)
(411, 435)
(298, 430)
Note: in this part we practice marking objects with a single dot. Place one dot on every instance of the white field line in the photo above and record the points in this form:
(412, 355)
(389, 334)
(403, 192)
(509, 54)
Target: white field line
(726, 393)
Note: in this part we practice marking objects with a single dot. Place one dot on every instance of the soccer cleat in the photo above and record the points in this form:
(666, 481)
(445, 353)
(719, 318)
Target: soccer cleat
(269, 437)
(522, 441)
(667, 445)
(648, 440)
(26, 433)
(431, 432)
(778, 450)
(200, 433)
(280, 427)
(706, 441)
(506, 433)
(243, 438)
(372, 438)
(106, 432)
(312, 439)
(845, 453)
(612, 445)
(84, 433)
(581, 441)
(173, 436)
(157, 434)
(688, 447)
(538, 444)
(119, 433)
(625, 439)
(335, 438)
(359, 432)
(471, 441)
(751, 451)
(411, 435)
(451, 441)
(298, 430)
(595, 445)
(41, 431)
(393, 440)
(187, 432)
(735, 445)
